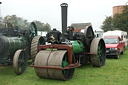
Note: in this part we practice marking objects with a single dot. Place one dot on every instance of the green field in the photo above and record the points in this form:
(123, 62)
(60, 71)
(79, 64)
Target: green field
(115, 72)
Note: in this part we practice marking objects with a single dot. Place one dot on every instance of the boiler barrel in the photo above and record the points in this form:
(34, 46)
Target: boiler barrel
(11, 44)
(77, 46)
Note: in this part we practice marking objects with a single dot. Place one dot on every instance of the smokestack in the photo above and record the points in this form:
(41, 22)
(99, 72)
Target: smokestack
(64, 17)
(0, 13)
(0, 8)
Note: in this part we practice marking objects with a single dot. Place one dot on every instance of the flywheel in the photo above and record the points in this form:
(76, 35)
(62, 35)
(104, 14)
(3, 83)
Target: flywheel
(31, 32)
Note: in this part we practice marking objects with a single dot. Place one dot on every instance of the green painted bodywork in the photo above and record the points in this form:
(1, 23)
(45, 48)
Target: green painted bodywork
(16, 43)
(77, 46)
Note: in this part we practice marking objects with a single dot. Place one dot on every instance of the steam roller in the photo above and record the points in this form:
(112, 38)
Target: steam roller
(16, 45)
(67, 50)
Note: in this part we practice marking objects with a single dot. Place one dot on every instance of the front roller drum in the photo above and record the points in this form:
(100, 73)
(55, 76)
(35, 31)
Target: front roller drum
(54, 59)
(98, 52)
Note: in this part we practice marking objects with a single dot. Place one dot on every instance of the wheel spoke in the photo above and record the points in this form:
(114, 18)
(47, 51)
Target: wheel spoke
(20, 60)
(64, 63)
(23, 67)
(19, 64)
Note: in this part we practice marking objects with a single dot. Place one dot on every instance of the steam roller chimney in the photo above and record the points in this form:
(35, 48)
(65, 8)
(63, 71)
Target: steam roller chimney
(64, 17)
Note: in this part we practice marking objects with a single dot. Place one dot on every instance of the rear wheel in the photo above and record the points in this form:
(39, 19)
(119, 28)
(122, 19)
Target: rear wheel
(98, 52)
(37, 40)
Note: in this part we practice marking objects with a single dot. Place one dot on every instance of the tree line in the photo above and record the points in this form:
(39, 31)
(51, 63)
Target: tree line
(117, 22)
(23, 23)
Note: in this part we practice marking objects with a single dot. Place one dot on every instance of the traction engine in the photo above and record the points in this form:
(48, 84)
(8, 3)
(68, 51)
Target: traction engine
(67, 50)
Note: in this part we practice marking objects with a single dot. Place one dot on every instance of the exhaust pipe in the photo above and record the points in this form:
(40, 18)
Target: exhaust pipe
(64, 17)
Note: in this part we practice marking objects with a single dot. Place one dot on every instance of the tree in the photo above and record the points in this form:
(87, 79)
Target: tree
(1, 22)
(47, 27)
(42, 27)
(17, 21)
(107, 24)
(120, 21)
(39, 25)
(23, 23)
(117, 22)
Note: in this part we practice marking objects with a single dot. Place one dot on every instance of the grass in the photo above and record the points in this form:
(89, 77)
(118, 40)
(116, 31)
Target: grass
(115, 72)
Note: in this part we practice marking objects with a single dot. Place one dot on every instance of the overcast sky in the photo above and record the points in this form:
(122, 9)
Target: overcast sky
(49, 11)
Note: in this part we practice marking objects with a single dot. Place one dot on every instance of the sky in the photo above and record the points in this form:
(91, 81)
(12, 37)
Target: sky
(49, 11)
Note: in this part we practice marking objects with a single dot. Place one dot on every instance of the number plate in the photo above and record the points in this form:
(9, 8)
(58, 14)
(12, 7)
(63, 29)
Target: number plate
(107, 51)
